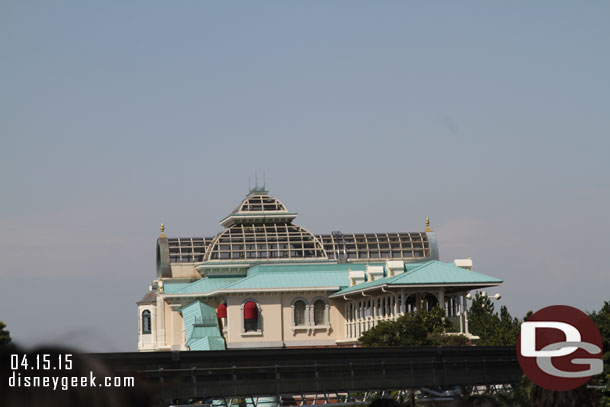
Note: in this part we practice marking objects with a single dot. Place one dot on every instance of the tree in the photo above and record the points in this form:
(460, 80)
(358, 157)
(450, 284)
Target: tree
(5, 337)
(602, 320)
(422, 328)
(493, 329)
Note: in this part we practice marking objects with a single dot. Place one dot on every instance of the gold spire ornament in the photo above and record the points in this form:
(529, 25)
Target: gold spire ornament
(162, 230)
(428, 225)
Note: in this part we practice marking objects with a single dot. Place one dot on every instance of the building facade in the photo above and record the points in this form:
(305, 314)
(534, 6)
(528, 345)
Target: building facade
(264, 282)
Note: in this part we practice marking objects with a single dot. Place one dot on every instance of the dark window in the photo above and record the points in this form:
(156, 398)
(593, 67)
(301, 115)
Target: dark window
(146, 322)
(299, 313)
(250, 317)
(319, 313)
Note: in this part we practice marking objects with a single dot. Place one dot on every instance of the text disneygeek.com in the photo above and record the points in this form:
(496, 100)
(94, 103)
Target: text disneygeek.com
(65, 383)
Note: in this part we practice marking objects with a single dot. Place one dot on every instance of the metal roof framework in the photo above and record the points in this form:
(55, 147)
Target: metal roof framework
(261, 229)
(377, 246)
(265, 242)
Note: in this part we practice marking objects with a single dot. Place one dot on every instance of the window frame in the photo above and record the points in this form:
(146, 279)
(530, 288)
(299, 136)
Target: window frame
(293, 307)
(259, 320)
(326, 315)
(306, 320)
(146, 316)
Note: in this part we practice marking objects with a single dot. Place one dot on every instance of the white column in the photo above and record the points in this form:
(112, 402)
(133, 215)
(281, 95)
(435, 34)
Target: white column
(461, 314)
(347, 320)
(160, 322)
(375, 310)
(465, 312)
(395, 305)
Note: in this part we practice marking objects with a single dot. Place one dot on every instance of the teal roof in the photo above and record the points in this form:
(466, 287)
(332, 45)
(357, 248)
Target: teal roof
(298, 275)
(429, 273)
(294, 279)
(201, 327)
(307, 268)
(336, 275)
(206, 338)
(207, 284)
(170, 288)
(197, 313)
(295, 276)
(207, 343)
(436, 272)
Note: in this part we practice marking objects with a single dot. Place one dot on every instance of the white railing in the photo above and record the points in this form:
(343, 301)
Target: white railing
(355, 328)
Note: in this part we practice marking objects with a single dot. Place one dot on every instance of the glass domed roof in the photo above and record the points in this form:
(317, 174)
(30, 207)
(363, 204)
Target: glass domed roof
(261, 228)
(258, 207)
(260, 202)
(265, 242)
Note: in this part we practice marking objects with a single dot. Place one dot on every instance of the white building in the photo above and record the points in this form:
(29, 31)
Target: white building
(266, 282)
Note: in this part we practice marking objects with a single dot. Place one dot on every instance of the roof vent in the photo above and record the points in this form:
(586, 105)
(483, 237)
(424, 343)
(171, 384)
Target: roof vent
(395, 267)
(464, 263)
(374, 272)
(356, 277)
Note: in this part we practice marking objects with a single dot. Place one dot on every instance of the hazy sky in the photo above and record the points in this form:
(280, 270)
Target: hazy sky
(491, 118)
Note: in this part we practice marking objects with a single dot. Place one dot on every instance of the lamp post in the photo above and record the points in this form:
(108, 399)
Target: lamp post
(496, 296)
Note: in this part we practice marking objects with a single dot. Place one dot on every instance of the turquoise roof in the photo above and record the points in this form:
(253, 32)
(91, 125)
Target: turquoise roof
(207, 343)
(205, 338)
(436, 272)
(429, 273)
(296, 276)
(336, 275)
(207, 284)
(170, 288)
(201, 327)
(197, 313)
(278, 276)
(294, 279)
(306, 268)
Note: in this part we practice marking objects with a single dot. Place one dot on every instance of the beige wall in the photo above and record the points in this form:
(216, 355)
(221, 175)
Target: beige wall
(276, 322)
(184, 270)
(270, 310)
(174, 328)
(147, 342)
(277, 327)
(337, 318)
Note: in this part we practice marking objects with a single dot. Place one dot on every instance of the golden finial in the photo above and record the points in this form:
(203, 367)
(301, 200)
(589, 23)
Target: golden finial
(428, 225)
(162, 230)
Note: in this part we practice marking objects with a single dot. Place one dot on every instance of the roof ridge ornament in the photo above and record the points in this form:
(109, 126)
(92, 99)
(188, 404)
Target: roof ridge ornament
(162, 230)
(428, 225)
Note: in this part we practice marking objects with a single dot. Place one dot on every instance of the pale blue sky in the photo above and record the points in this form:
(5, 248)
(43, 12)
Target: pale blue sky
(490, 118)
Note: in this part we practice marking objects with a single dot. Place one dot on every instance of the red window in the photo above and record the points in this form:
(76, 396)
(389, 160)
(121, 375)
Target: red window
(221, 311)
(250, 317)
(250, 310)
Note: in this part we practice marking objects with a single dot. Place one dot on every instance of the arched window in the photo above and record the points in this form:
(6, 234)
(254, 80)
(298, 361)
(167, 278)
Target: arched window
(250, 317)
(146, 322)
(299, 313)
(221, 311)
(319, 313)
(430, 302)
(411, 303)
